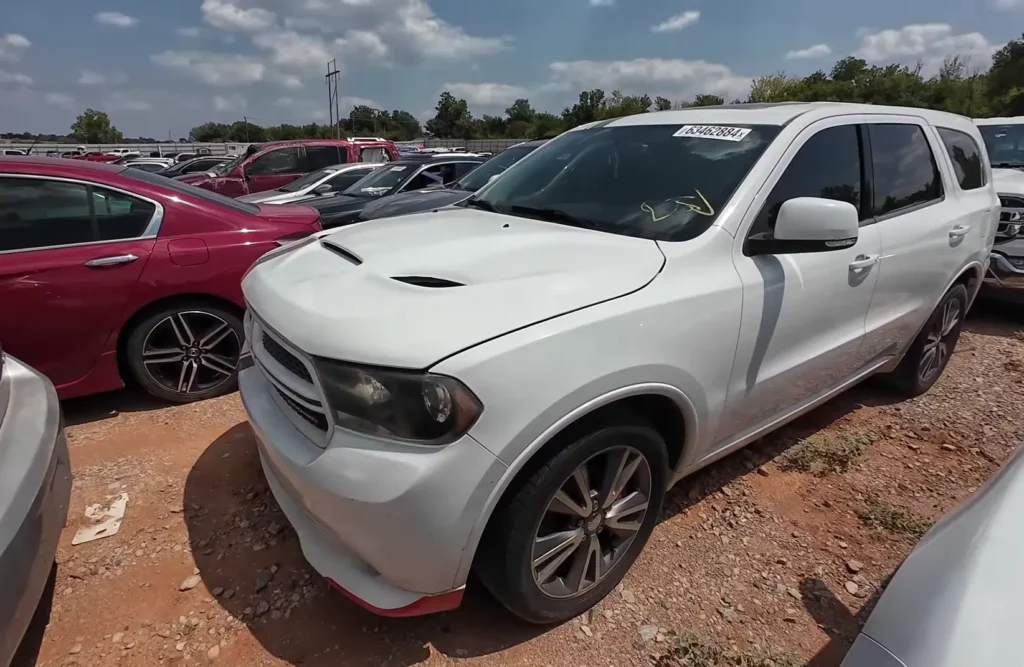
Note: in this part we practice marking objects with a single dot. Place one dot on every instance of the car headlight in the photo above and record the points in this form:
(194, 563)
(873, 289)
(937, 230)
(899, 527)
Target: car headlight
(421, 408)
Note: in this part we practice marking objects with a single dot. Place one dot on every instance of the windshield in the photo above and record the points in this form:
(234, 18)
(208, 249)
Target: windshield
(228, 167)
(191, 190)
(1005, 145)
(479, 177)
(380, 181)
(661, 182)
(307, 180)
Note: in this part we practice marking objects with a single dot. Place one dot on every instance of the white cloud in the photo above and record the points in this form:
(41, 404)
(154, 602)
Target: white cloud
(14, 78)
(291, 49)
(284, 102)
(602, 3)
(234, 102)
(190, 32)
(486, 94)
(89, 77)
(120, 100)
(1009, 4)
(230, 16)
(927, 43)
(366, 43)
(13, 46)
(816, 51)
(60, 99)
(677, 22)
(675, 79)
(116, 19)
(215, 69)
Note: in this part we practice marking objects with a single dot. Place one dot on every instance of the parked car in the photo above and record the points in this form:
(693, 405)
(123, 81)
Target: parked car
(135, 158)
(124, 152)
(272, 165)
(950, 603)
(13, 151)
(327, 181)
(95, 156)
(115, 273)
(35, 489)
(199, 165)
(437, 196)
(184, 157)
(510, 385)
(151, 165)
(402, 176)
(1004, 139)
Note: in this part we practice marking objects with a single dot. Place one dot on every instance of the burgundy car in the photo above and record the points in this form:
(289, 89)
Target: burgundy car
(269, 166)
(95, 156)
(109, 273)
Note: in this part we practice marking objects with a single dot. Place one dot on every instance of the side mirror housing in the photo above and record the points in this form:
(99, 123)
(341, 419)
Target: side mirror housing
(808, 224)
(493, 178)
(323, 189)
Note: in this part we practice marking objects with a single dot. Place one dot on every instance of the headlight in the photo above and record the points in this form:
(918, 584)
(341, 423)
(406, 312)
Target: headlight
(404, 405)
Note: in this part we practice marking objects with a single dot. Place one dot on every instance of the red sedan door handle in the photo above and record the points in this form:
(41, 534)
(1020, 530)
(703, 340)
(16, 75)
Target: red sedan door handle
(114, 260)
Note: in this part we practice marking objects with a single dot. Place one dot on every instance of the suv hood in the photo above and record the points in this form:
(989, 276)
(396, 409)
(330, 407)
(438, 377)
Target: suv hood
(416, 201)
(1008, 181)
(339, 297)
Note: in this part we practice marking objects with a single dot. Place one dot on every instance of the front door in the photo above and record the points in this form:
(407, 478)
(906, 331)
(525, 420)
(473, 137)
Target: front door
(70, 256)
(803, 314)
(274, 168)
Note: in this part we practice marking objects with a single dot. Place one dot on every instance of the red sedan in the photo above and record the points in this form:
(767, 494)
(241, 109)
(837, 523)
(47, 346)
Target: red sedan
(109, 273)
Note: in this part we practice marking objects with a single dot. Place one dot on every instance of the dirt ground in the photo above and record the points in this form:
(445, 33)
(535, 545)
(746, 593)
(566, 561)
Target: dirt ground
(754, 554)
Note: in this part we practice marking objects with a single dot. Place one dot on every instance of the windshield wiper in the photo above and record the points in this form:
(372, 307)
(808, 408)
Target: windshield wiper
(553, 215)
(482, 205)
(1008, 165)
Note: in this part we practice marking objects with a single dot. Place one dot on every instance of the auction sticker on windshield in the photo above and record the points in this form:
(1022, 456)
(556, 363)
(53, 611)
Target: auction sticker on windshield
(720, 132)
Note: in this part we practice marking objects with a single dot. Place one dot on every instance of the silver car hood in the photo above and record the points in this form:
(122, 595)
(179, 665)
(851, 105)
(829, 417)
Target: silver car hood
(956, 600)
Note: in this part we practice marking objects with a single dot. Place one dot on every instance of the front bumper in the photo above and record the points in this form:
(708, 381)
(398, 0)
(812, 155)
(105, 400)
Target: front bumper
(35, 476)
(386, 523)
(1005, 271)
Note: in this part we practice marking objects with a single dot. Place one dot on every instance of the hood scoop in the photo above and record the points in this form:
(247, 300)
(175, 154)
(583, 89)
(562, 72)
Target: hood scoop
(427, 281)
(341, 252)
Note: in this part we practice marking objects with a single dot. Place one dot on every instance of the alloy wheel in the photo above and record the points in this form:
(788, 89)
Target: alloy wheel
(937, 346)
(191, 352)
(590, 522)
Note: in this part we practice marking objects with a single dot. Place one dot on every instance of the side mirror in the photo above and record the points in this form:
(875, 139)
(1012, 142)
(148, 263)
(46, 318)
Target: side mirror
(323, 189)
(809, 224)
(493, 178)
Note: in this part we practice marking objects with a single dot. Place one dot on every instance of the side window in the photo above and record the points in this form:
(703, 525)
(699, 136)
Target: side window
(966, 158)
(463, 168)
(35, 213)
(905, 173)
(436, 175)
(281, 161)
(120, 216)
(346, 178)
(319, 157)
(375, 154)
(828, 165)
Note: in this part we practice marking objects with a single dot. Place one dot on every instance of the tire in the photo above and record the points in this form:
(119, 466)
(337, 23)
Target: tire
(940, 333)
(161, 353)
(506, 565)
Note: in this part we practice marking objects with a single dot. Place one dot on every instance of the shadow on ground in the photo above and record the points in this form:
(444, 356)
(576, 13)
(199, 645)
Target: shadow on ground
(107, 406)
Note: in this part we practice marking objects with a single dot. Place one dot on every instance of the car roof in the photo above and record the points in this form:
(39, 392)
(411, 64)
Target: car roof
(439, 157)
(778, 113)
(57, 166)
(317, 142)
(1005, 120)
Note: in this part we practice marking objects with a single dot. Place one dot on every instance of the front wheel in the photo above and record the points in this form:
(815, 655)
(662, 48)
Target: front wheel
(572, 531)
(187, 352)
(930, 353)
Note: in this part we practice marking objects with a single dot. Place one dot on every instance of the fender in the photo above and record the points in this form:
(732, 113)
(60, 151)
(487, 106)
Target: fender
(690, 430)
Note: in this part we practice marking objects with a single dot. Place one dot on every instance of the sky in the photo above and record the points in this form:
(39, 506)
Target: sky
(161, 68)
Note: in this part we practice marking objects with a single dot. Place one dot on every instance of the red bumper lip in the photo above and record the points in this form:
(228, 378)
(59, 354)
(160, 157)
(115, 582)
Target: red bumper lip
(430, 604)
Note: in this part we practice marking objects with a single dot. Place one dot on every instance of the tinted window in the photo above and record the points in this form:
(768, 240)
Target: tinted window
(280, 161)
(828, 165)
(647, 181)
(191, 190)
(966, 158)
(306, 181)
(346, 179)
(905, 173)
(496, 165)
(200, 165)
(464, 168)
(38, 214)
(1005, 144)
(433, 176)
(318, 157)
(120, 216)
(380, 181)
(147, 166)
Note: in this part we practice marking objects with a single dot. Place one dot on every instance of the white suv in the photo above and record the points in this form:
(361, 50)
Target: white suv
(1004, 139)
(510, 385)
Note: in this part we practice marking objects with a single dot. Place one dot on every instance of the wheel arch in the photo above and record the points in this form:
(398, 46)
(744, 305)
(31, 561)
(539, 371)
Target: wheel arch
(669, 410)
(145, 311)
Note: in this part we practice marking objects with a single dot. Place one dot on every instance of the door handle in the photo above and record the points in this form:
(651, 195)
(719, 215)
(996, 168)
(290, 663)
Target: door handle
(863, 262)
(114, 260)
(958, 231)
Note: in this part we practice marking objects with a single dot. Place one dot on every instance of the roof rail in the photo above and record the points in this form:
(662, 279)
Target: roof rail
(367, 139)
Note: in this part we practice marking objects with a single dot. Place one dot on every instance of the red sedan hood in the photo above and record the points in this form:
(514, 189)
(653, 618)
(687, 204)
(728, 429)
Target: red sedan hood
(294, 214)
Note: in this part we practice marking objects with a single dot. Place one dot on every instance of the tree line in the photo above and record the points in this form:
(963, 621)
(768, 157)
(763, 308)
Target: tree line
(956, 87)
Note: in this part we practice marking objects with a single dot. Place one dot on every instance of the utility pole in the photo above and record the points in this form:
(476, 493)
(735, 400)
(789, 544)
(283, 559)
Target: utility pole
(332, 97)
(245, 121)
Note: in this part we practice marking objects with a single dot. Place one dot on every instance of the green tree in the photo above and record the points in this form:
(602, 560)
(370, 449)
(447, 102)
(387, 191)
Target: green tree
(520, 112)
(703, 100)
(94, 127)
(1006, 79)
(588, 109)
(209, 132)
(772, 88)
(662, 103)
(452, 118)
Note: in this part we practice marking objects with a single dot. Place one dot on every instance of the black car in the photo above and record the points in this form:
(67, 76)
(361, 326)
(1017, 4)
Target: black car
(400, 176)
(195, 165)
(434, 197)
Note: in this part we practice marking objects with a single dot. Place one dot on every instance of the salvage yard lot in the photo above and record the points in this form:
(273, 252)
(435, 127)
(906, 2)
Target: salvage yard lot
(776, 552)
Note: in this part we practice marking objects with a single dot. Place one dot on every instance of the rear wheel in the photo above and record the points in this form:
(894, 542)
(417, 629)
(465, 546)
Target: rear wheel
(186, 352)
(572, 531)
(930, 353)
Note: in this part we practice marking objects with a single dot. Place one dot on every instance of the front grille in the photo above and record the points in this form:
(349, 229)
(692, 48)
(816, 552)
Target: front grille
(1011, 202)
(286, 358)
(317, 419)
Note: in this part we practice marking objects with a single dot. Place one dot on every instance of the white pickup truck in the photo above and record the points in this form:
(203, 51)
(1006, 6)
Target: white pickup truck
(1004, 138)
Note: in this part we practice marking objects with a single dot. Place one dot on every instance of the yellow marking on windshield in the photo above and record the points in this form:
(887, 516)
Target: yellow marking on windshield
(706, 209)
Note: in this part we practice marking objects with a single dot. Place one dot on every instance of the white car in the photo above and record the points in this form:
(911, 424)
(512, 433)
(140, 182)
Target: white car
(153, 165)
(326, 181)
(1004, 138)
(510, 385)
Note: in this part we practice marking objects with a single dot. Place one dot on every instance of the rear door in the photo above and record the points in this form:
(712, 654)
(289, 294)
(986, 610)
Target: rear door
(70, 256)
(275, 168)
